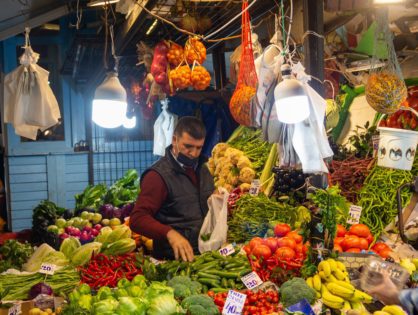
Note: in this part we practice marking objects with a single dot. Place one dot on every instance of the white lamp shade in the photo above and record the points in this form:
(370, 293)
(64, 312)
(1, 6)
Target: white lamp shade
(291, 101)
(129, 123)
(109, 104)
(387, 1)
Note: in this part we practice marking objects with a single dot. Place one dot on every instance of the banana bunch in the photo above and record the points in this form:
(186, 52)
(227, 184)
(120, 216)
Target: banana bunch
(390, 310)
(332, 285)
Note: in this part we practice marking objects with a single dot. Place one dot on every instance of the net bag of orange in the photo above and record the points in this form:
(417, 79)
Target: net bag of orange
(200, 78)
(385, 88)
(194, 50)
(175, 54)
(240, 103)
(181, 77)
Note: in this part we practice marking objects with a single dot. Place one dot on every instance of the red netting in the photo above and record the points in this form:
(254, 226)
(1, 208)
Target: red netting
(240, 104)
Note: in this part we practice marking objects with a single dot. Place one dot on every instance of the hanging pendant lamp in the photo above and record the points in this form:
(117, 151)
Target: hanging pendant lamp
(290, 99)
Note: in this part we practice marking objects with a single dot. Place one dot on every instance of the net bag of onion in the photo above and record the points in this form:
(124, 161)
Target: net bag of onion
(385, 88)
(240, 103)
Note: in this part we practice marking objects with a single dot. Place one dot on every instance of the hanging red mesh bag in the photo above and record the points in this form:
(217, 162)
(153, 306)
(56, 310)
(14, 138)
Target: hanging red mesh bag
(240, 104)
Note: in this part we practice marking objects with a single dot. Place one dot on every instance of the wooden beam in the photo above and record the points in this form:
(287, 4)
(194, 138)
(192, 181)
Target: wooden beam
(313, 20)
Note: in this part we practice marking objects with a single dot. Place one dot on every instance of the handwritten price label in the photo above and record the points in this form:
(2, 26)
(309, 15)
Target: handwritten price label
(47, 269)
(251, 280)
(355, 213)
(255, 187)
(16, 309)
(234, 303)
(227, 250)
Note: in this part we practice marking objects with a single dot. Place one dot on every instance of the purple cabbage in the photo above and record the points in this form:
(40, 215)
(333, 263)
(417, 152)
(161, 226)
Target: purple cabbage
(107, 211)
(127, 209)
(117, 213)
(40, 288)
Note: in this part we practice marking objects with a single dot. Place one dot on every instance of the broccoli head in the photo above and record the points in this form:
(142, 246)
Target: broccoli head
(295, 290)
(200, 310)
(198, 299)
(183, 286)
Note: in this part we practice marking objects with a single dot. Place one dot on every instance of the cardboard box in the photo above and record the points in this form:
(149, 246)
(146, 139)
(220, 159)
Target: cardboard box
(25, 307)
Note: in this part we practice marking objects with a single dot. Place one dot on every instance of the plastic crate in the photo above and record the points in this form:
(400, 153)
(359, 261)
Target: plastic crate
(355, 260)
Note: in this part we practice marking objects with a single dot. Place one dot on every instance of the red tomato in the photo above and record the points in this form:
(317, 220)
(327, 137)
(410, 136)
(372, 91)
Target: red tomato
(350, 241)
(363, 243)
(385, 253)
(305, 248)
(296, 236)
(281, 229)
(338, 248)
(378, 247)
(286, 242)
(370, 238)
(285, 252)
(353, 250)
(261, 251)
(272, 243)
(341, 231)
(299, 248)
(338, 240)
(255, 242)
(247, 249)
(361, 230)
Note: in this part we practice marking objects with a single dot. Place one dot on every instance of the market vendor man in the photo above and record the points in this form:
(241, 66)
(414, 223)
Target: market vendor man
(172, 203)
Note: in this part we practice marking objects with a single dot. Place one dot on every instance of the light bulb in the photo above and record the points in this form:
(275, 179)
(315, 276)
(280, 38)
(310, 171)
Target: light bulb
(129, 123)
(109, 104)
(290, 99)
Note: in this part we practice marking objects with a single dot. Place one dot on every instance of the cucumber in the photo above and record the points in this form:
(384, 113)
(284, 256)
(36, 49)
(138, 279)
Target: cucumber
(202, 274)
(231, 283)
(224, 283)
(219, 290)
(209, 282)
(223, 274)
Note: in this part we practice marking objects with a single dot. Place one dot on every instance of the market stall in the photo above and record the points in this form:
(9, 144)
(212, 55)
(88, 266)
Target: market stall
(314, 209)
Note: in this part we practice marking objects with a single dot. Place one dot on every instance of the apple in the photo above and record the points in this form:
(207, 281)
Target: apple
(84, 222)
(94, 232)
(114, 222)
(85, 236)
(76, 232)
(53, 229)
(61, 230)
(69, 223)
(97, 227)
(105, 222)
(60, 222)
(90, 216)
(85, 215)
(64, 236)
(77, 221)
(97, 217)
(88, 229)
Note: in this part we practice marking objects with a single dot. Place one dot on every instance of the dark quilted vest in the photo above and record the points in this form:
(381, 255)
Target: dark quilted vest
(186, 205)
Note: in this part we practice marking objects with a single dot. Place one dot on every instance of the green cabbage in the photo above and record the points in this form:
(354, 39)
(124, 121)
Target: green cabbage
(82, 255)
(164, 304)
(45, 254)
(69, 245)
(103, 235)
(106, 306)
(130, 305)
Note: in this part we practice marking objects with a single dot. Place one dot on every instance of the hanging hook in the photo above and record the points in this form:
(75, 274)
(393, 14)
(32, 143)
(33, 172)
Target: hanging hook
(27, 41)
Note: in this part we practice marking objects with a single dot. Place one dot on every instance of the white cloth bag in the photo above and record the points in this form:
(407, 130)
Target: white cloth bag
(163, 129)
(215, 222)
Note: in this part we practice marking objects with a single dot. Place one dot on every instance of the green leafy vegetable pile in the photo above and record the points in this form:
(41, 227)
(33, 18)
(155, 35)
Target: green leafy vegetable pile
(14, 254)
(253, 214)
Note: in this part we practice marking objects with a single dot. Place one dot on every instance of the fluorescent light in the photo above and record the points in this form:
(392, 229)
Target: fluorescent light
(290, 99)
(96, 3)
(109, 104)
(387, 1)
(152, 27)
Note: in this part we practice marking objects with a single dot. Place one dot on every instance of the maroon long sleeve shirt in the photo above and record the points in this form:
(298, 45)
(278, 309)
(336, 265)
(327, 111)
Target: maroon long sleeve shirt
(150, 199)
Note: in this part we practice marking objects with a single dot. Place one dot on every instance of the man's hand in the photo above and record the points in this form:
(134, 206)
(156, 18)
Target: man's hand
(180, 245)
(386, 292)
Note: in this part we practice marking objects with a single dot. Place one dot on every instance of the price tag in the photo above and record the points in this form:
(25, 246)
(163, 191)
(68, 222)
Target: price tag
(255, 187)
(251, 280)
(16, 309)
(375, 141)
(234, 303)
(355, 213)
(227, 250)
(47, 269)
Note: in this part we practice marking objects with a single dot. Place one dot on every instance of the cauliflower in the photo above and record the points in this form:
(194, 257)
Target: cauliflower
(232, 179)
(243, 161)
(233, 154)
(221, 164)
(211, 166)
(228, 187)
(245, 187)
(219, 150)
(246, 175)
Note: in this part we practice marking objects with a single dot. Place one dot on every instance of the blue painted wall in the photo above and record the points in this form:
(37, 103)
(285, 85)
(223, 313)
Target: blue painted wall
(51, 169)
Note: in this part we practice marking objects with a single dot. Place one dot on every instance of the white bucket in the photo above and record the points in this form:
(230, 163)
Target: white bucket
(397, 148)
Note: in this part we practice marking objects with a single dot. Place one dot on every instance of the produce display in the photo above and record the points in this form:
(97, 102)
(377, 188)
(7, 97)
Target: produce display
(194, 50)
(200, 78)
(181, 77)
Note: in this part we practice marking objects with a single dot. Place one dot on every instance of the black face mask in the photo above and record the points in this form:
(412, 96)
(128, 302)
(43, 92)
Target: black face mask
(186, 160)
